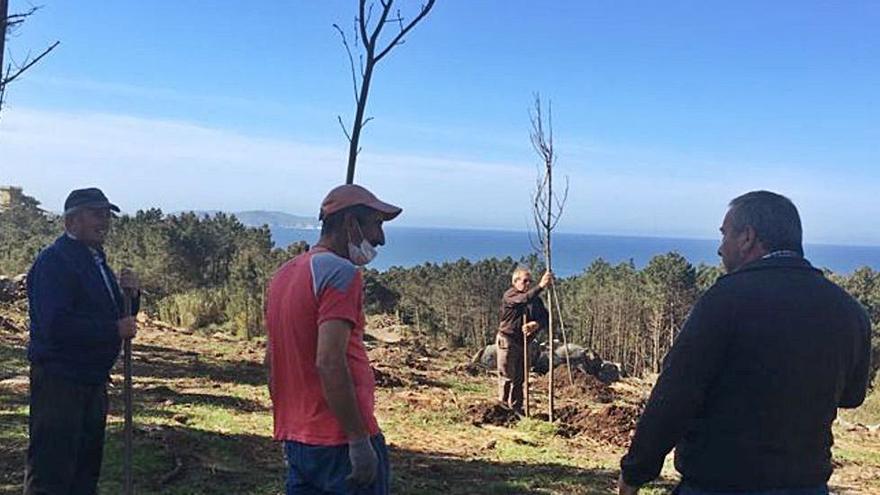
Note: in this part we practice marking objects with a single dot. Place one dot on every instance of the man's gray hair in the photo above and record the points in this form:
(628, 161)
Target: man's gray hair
(518, 272)
(71, 211)
(774, 218)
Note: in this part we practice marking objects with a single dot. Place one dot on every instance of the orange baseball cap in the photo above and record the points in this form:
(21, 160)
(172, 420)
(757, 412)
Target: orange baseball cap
(352, 194)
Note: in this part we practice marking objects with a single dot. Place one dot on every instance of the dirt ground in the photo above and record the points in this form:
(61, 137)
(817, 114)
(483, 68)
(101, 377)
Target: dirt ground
(203, 421)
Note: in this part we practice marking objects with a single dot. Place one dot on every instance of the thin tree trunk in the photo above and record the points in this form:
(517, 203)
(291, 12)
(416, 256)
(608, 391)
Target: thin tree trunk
(548, 256)
(4, 14)
(359, 119)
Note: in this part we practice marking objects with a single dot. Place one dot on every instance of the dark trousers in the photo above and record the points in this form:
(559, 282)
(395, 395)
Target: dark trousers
(66, 426)
(510, 370)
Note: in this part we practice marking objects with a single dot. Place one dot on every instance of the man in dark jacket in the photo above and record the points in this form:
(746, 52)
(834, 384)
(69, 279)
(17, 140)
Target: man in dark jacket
(752, 384)
(522, 312)
(76, 331)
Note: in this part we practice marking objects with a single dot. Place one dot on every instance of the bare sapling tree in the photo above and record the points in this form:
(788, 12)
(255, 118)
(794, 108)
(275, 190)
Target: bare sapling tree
(10, 70)
(368, 44)
(546, 209)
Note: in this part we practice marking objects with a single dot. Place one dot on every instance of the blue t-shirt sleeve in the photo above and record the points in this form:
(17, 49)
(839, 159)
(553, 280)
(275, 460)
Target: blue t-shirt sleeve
(337, 288)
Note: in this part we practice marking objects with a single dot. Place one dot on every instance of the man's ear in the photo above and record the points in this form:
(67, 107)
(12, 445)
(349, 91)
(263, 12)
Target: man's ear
(351, 226)
(749, 239)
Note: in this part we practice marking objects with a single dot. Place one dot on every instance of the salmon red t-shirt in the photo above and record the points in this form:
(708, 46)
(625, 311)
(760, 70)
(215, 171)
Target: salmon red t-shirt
(308, 290)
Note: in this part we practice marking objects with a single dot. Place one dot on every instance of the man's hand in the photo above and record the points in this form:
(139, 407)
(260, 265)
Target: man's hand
(129, 280)
(364, 462)
(127, 327)
(546, 280)
(530, 327)
(625, 489)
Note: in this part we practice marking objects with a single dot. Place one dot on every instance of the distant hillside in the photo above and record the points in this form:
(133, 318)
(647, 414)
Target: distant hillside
(258, 218)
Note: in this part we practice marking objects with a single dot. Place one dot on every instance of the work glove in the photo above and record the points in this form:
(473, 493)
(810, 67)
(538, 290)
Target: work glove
(364, 462)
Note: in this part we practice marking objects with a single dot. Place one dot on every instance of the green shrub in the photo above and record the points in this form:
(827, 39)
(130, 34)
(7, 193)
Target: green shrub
(244, 309)
(193, 309)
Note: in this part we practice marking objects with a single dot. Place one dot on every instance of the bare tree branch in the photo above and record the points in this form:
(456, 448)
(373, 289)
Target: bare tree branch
(374, 38)
(344, 130)
(14, 20)
(27, 64)
(369, 15)
(394, 42)
(369, 39)
(357, 40)
(350, 60)
(8, 24)
(362, 24)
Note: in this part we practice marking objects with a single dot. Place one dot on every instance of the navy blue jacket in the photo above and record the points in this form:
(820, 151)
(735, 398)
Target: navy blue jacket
(752, 384)
(73, 332)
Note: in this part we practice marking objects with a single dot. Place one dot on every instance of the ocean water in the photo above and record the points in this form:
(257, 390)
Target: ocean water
(572, 253)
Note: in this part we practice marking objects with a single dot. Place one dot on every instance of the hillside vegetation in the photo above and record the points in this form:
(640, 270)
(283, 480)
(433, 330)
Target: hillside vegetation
(209, 273)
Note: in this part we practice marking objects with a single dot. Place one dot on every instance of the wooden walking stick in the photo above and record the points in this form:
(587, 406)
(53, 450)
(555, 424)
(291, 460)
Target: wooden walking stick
(126, 396)
(564, 338)
(525, 369)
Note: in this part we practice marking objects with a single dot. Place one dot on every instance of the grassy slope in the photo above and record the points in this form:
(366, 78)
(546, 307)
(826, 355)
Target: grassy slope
(203, 426)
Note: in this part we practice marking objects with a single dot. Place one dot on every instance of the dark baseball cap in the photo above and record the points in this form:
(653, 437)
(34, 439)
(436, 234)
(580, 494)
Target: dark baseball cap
(342, 197)
(91, 197)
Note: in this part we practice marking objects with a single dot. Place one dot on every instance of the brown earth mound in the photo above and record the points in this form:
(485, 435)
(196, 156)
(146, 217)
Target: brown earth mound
(387, 379)
(581, 385)
(613, 424)
(398, 366)
(491, 413)
(404, 364)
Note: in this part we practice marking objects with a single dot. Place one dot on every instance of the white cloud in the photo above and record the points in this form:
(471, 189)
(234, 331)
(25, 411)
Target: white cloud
(176, 165)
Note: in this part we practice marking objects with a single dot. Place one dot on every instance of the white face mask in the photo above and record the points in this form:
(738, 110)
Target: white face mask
(363, 254)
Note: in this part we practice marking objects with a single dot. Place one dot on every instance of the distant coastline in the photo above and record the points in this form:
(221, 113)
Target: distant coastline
(573, 253)
(274, 219)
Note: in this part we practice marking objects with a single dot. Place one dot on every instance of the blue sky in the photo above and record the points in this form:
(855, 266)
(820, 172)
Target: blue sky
(663, 111)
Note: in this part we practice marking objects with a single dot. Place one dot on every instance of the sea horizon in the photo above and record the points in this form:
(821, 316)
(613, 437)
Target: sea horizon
(572, 252)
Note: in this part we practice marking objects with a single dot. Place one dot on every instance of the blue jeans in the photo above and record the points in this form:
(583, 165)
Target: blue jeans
(685, 489)
(321, 470)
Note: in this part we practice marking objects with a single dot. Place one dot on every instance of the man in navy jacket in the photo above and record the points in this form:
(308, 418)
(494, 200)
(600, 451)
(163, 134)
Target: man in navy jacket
(751, 386)
(76, 331)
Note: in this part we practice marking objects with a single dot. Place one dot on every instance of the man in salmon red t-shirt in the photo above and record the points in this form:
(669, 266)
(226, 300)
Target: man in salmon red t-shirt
(320, 378)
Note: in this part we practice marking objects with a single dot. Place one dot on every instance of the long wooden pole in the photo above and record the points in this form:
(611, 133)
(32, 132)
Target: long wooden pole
(548, 259)
(564, 337)
(128, 428)
(525, 369)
